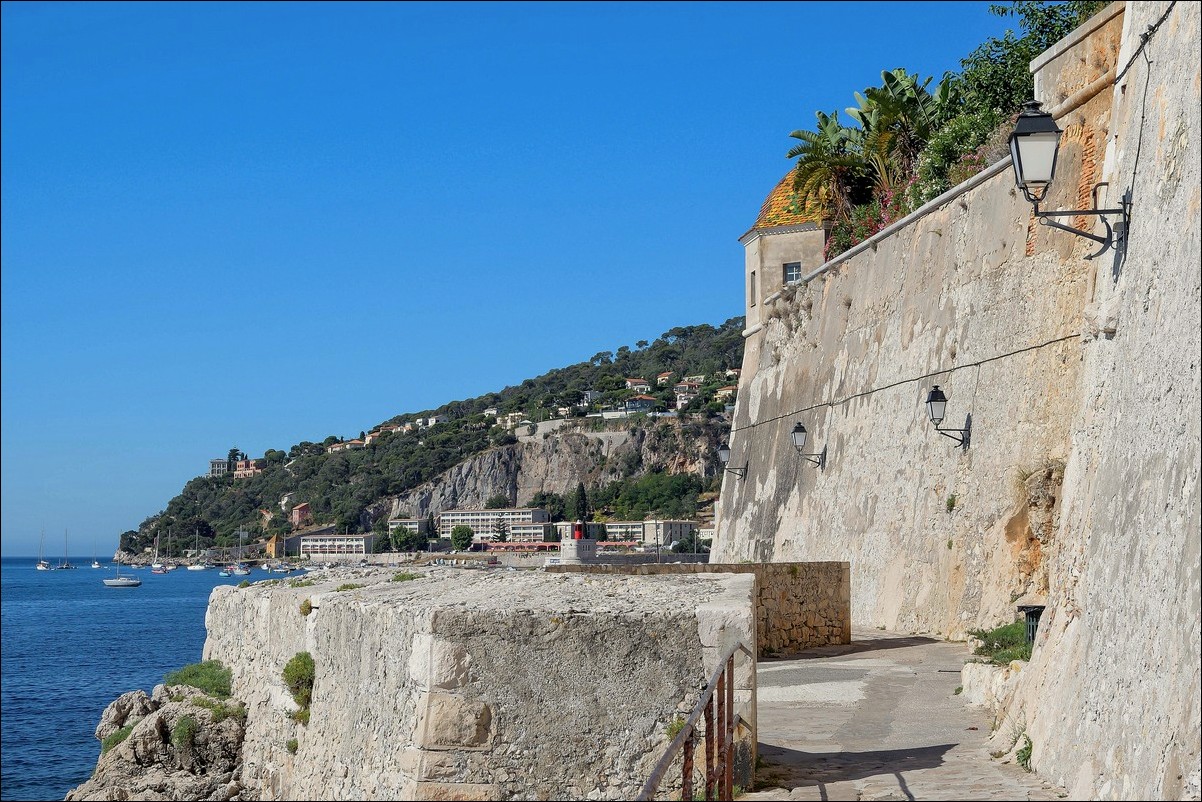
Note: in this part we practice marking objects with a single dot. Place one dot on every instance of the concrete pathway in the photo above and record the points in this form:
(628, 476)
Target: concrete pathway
(878, 720)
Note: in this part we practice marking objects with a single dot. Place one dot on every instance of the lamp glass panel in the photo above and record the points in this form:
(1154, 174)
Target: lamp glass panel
(799, 437)
(724, 453)
(1036, 157)
(935, 409)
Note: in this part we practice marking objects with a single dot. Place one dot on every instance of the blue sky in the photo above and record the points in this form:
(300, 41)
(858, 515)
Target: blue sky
(255, 224)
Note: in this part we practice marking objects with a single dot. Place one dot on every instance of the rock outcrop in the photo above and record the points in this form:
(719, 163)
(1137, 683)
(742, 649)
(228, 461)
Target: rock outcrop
(557, 461)
(179, 743)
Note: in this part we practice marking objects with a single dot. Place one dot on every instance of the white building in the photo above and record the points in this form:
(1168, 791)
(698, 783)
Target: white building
(218, 467)
(484, 522)
(531, 533)
(334, 547)
(419, 526)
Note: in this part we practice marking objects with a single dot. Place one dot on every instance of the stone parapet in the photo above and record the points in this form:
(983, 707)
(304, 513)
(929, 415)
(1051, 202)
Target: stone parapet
(476, 684)
(798, 605)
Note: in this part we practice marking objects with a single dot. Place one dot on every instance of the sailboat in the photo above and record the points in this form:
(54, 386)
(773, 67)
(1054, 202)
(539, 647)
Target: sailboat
(197, 564)
(43, 565)
(119, 581)
(170, 565)
(157, 567)
(95, 562)
(64, 565)
(240, 568)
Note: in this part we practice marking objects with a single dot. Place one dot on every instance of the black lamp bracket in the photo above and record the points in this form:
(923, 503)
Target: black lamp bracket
(739, 472)
(1108, 240)
(961, 436)
(818, 459)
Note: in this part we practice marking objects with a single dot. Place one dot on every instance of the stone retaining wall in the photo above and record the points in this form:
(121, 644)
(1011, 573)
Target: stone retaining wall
(476, 684)
(798, 605)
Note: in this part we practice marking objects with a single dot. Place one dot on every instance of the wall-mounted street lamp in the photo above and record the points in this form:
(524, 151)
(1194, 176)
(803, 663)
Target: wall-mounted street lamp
(936, 407)
(817, 459)
(724, 457)
(1034, 145)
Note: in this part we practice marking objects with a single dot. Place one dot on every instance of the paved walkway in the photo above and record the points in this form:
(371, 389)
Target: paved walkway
(878, 720)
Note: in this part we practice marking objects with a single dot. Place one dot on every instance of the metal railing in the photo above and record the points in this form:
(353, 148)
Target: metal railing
(717, 706)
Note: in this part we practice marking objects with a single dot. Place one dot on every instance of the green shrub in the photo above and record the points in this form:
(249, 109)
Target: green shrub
(116, 737)
(300, 583)
(210, 676)
(306, 607)
(1003, 644)
(1023, 755)
(183, 734)
(292, 746)
(674, 727)
(951, 502)
(349, 586)
(301, 716)
(245, 583)
(299, 674)
(220, 710)
(404, 576)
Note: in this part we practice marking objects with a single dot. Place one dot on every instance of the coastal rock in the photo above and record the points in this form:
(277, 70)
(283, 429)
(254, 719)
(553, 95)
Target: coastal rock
(126, 707)
(187, 746)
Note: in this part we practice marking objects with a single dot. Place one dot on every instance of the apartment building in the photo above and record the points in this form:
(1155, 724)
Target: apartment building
(531, 533)
(484, 522)
(330, 546)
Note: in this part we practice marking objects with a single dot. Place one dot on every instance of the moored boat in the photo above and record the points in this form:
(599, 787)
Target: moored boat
(119, 581)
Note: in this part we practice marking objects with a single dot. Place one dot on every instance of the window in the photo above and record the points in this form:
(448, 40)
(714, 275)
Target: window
(792, 272)
(751, 288)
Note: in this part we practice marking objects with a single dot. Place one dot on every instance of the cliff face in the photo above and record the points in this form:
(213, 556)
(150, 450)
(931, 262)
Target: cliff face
(1080, 381)
(557, 461)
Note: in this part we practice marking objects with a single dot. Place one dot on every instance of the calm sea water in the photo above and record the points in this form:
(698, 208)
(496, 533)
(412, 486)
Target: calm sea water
(69, 646)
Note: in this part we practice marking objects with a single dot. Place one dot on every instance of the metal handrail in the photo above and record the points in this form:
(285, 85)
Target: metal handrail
(719, 736)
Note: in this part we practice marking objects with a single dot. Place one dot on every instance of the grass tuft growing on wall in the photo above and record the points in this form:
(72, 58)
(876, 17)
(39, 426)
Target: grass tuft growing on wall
(1003, 644)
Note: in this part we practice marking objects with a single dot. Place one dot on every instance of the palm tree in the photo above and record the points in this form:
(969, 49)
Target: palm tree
(831, 173)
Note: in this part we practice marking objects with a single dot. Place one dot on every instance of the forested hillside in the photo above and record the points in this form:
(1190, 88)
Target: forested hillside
(340, 486)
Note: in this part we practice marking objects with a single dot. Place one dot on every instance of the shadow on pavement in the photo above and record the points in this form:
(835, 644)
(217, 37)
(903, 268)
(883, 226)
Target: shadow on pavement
(791, 768)
(859, 645)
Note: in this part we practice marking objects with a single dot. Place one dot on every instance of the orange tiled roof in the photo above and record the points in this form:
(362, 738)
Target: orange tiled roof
(781, 207)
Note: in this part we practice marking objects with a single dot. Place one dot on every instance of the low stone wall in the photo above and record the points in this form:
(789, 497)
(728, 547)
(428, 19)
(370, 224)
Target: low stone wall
(798, 605)
(475, 684)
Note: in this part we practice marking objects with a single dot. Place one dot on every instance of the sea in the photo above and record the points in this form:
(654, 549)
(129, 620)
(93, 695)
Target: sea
(69, 645)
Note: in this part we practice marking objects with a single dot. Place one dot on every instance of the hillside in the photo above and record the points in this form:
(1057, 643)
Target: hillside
(408, 459)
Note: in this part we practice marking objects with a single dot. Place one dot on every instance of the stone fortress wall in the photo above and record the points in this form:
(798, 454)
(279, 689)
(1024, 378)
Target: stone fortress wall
(798, 605)
(477, 684)
(1081, 377)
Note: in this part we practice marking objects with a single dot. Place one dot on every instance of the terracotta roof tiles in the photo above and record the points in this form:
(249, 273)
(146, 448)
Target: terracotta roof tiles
(782, 208)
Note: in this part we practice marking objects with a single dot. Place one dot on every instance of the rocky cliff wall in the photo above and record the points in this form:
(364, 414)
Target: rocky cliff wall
(1081, 482)
(472, 684)
(557, 461)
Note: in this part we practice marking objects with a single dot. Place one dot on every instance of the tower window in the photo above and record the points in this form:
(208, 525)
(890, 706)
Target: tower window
(792, 272)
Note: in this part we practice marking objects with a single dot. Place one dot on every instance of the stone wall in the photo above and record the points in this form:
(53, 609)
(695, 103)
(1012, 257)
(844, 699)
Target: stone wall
(474, 684)
(970, 295)
(1081, 377)
(1111, 697)
(798, 605)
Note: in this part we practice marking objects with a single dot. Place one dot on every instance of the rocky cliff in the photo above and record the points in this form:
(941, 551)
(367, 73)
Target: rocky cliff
(179, 743)
(555, 462)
